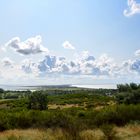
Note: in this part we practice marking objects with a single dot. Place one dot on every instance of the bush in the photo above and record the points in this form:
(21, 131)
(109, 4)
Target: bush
(108, 131)
(128, 97)
(38, 100)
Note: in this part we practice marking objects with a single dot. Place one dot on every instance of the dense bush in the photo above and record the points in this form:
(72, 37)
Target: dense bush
(128, 97)
(38, 100)
(1, 90)
(70, 120)
(128, 87)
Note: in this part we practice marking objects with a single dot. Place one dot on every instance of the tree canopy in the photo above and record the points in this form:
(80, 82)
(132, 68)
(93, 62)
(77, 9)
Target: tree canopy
(38, 100)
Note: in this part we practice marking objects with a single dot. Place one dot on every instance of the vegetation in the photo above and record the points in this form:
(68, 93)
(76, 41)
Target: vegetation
(128, 94)
(129, 132)
(37, 100)
(75, 113)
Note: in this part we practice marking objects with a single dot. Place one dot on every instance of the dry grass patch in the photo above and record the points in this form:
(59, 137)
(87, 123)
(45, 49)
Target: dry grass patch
(29, 134)
(92, 135)
(55, 106)
(129, 132)
(34, 134)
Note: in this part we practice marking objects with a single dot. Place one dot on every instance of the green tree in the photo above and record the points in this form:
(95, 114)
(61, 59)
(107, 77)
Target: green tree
(129, 97)
(1, 93)
(1, 90)
(133, 86)
(38, 100)
(123, 87)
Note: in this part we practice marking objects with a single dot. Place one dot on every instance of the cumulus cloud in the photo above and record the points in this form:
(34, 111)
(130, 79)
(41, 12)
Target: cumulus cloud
(68, 45)
(30, 46)
(85, 64)
(88, 65)
(135, 66)
(28, 66)
(137, 53)
(7, 62)
(133, 8)
(47, 64)
(85, 56)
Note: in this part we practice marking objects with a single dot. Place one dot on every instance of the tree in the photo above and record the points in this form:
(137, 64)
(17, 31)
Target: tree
(123, 87)
(38, 100)
(1, 90)
(128, 97)
(133, 86)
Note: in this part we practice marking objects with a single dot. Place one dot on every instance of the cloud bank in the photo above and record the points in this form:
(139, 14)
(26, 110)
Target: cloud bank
(82, 65)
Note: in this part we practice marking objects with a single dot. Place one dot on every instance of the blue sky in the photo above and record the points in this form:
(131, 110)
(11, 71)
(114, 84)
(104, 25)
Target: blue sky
(36, 34)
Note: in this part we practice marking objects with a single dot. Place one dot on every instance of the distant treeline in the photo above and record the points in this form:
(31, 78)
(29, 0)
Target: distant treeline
(128, 93)
(128, 87)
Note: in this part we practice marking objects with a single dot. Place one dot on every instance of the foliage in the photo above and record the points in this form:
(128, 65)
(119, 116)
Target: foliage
(128, 97)
(71, 120)
(128, 87)
(1, 90)
(38, 100)
(30, 111)
(78, 98)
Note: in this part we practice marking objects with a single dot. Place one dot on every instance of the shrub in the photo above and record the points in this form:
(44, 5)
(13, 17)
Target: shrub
(108, 131)
(38, 100)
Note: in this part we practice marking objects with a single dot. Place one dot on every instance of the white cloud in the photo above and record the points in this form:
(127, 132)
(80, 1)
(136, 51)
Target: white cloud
(85, 64)
(28, 66)
(137, 53)
(30, 46)
(68, 45)
(135, 66)
(102, 67)
(47, 65)
(85, 56)
(2, 49)
(6, 62)
(133, 8)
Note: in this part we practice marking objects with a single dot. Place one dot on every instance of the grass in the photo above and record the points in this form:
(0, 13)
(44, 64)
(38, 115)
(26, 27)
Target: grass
(31, 134)
(128, 132)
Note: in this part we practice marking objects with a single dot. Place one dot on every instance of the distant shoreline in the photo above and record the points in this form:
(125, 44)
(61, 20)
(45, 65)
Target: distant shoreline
(34, 87)
(106, 86)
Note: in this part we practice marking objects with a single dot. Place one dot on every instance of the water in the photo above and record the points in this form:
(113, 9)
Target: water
(16, 87)
(107, 86)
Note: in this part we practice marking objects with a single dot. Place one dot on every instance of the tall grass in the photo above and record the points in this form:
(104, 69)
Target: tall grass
(128, 132)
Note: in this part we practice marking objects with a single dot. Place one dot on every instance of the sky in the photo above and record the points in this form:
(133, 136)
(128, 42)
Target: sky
(69, 42)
